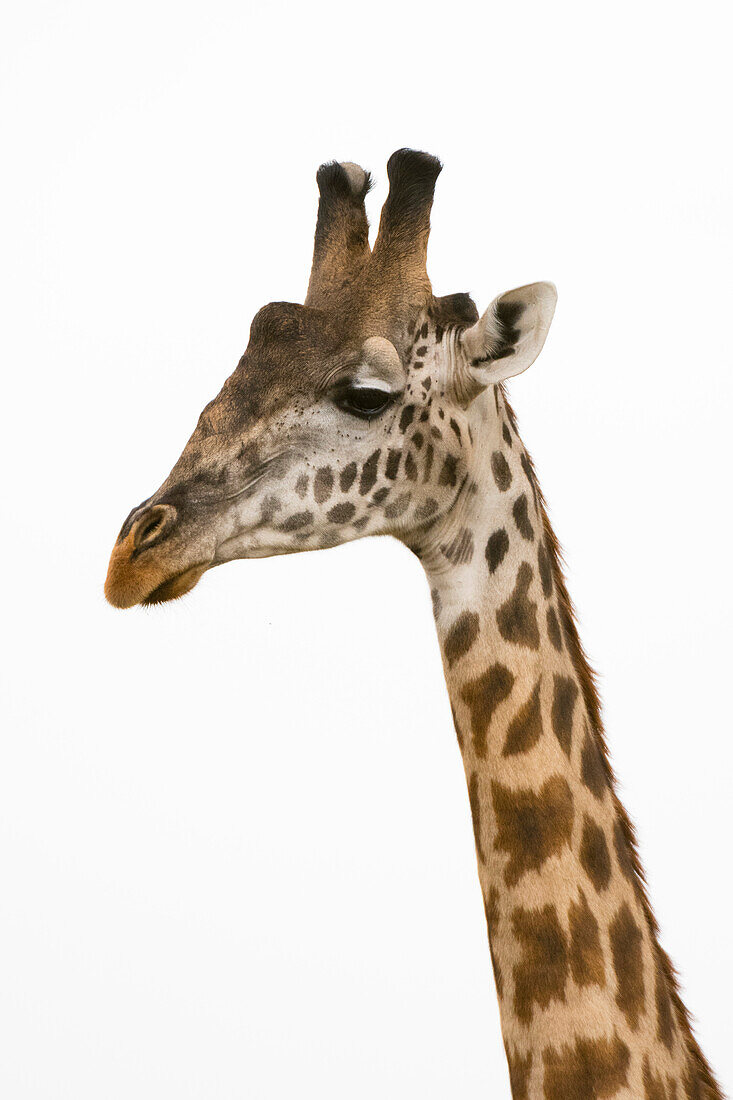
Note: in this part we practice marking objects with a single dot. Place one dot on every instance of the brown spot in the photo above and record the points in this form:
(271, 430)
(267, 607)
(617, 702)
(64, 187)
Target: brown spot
(591, 766)
(295, 522)
(520, 511)
(507, 435)
(520, 1068)
(410, 468)
(553, 629)
(408, 414)
(563, 708)
(398, 507)
(496, 549)
(323, 484)
(461, 636)
(594, 855)
(301, 486)
(473, 798)
(500, 469)
(592, 1069)
(491, 908)
(269, 508)
(623, 854)
(341, 513)
(693, 1086)
(665, 1021)
(369, 473)
(545, 568)
(393, 464)
(586, 953)
(542, 973)
(347, 477)
(381, 495)
(448, 472)
(482, 696)
(654, 1086)
(626, 939)
(517, 617)
(460, 550)
(532, 826)
(525, 729)
(529, 473)
(428, 509)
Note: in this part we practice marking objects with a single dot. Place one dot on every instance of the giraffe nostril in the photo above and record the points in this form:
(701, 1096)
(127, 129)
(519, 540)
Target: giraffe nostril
(153, 525)
(150, 528)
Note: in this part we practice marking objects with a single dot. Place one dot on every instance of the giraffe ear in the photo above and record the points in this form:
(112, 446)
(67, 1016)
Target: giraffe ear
(509, 336)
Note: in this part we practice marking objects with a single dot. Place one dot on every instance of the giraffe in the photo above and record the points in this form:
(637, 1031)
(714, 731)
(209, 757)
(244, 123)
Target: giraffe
(377, 408)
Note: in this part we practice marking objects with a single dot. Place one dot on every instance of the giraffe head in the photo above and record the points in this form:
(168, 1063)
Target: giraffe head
(349, 415)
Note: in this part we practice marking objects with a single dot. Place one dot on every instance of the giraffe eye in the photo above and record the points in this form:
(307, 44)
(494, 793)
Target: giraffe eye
(363, 401)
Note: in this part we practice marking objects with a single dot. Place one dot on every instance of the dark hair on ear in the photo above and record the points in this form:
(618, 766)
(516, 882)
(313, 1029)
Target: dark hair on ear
(454, 309)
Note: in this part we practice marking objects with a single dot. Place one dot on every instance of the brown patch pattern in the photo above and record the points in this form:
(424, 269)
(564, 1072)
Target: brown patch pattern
(496, 549)
(369, 473)
(592, 1069)
(542, 973)
(553, 629)
(595, 858)
(461, 636)
(591, 766)
(475, 801)
(623, 853)
(626, 939)
(482, 696)
(563, 707)
(459, 550)
(525, 729)
(665, 1019)
(520, 1067)
(323, 484)
(517, 616)
(654, 1085)
(491, 908)
(532, 826)
(520, 511)
(501, 471)
(545, 568)
(586, 954)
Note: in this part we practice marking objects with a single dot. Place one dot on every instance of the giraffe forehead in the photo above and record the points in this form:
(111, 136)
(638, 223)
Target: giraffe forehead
(289, 362)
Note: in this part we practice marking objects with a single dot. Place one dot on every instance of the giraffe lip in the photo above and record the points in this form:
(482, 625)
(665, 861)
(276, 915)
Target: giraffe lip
(176, 586)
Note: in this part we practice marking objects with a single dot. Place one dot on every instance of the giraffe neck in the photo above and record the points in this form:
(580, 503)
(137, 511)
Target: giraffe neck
(587, 997)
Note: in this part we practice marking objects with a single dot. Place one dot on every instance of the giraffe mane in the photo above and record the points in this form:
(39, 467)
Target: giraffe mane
(589, 686)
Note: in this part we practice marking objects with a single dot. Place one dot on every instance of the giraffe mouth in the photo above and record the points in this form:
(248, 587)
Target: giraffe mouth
(176, 586)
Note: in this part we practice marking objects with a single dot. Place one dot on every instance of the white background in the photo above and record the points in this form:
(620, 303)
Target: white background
(235, 852)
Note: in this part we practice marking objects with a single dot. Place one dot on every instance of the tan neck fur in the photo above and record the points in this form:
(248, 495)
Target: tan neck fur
(587, 997)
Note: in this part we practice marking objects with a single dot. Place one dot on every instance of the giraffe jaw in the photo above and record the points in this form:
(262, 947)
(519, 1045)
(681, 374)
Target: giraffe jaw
(176, 586)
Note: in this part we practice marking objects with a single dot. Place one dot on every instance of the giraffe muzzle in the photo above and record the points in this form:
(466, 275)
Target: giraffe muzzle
(148, 565)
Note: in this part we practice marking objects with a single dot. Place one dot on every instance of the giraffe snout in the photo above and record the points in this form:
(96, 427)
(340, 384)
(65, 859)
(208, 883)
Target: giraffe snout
(151, 561)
